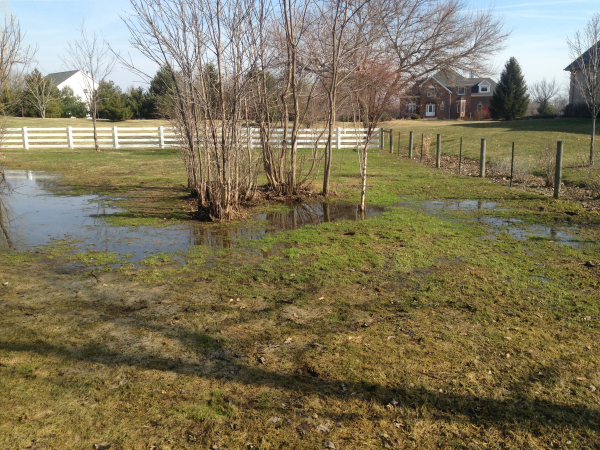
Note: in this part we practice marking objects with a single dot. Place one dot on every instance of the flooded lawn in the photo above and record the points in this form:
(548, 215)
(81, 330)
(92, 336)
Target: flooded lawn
(32, 216)
(574, 235)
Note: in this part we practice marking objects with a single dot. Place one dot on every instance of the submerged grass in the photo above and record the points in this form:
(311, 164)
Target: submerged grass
(406, 330)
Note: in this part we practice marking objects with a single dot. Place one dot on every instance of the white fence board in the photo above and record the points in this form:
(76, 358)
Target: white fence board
(163, 137)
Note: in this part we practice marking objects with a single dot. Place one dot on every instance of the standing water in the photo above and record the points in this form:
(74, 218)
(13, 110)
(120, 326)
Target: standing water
(32, 216)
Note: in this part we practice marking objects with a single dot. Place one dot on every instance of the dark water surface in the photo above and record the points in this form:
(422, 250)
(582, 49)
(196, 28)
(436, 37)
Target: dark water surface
(32, 216)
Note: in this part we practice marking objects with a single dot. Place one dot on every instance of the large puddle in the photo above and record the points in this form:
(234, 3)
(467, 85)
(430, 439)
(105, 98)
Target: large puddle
(566, 234)
(32, 216)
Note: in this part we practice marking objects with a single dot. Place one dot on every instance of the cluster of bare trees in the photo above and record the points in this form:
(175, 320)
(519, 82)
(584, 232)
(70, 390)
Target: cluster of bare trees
(281, 65)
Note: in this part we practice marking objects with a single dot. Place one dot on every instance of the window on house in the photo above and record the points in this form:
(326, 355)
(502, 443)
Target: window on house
(430, 91)
(411, 108)
(460, 91)
(484, 88)
(479, 106)
(442, 106)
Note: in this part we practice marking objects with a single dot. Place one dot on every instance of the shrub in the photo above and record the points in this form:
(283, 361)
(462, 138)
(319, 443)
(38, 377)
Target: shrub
(546, 157)
(481, 114)
(578, 110)
(415, 117)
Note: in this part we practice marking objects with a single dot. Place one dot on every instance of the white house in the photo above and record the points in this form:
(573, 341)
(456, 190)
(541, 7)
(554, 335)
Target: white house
(79, 81)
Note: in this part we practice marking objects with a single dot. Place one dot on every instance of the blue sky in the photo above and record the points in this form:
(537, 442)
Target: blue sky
(539, 30)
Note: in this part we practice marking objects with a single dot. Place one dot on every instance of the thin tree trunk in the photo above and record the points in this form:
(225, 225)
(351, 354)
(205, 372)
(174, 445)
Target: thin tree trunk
(593, 139)
(363, 191)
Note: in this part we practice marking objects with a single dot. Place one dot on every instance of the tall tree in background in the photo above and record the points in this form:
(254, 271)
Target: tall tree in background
(584, 49)
(542, 93)
(92, 55)
(510, 99)
(14, 54)
(40, 92)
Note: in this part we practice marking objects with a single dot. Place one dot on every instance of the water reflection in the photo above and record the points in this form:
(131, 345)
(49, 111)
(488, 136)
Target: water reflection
(38, 217)
(567, 235)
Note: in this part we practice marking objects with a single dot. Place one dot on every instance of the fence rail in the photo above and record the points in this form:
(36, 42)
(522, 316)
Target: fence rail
(166, 137)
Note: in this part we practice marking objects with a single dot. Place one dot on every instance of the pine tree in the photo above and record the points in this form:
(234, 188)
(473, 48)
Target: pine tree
(510, 99)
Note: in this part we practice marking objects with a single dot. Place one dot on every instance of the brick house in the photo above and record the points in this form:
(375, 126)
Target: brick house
(449, 95)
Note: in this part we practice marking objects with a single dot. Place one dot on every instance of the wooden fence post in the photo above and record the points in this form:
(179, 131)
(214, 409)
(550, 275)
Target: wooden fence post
(422, 144)
(161, 142)
(512, 163)
(116, 137)
(558, 170)
(460, 156)
(70, 137)
(410, 145)
(482, 159)
(438, 152)
(25, 138)
(381, 139)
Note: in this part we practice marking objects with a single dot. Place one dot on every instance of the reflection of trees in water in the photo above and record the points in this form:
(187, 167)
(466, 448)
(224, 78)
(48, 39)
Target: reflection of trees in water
(299, 215)
(316, 213)
(5, 240)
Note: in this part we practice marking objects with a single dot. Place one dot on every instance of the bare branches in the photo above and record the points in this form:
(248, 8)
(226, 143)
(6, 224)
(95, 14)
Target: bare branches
(91, 54)
(542, 93)
(40, 92)
(584, 49)
(14, 54)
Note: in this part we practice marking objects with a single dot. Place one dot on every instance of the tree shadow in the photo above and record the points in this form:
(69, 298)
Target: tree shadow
(560, 125)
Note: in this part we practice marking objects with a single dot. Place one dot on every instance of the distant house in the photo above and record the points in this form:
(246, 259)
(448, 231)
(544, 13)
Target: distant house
(574, 68)
(449, 95)
(77, 80)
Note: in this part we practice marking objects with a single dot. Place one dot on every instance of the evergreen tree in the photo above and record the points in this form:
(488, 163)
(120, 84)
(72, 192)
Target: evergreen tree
(115, 109)
(107, 90)
(72, 105)
(161, 88)
(510, 99)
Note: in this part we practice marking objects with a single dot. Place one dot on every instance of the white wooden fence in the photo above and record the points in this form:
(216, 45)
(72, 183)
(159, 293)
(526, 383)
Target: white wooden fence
(163, 137)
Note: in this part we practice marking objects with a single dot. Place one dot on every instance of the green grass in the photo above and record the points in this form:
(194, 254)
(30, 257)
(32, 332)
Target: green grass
(406, 330)
(36, 122)
(528, 135)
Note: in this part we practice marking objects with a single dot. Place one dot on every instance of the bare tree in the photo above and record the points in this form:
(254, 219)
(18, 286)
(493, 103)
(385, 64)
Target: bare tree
(335, 42)
(410, 39)
(14, 54)
(208, 46)
(40, 92)
(91, 54)
(584, 50)
(542, 93)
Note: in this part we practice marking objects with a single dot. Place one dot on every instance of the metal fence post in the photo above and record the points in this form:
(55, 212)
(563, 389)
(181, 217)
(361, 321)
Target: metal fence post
(482, 159)
(339, 138)
(116, 137)
(161, 142)
(381, 139)
(438, 151)
(410, 145)
(558, 170)
(70, 137)
(25, 138)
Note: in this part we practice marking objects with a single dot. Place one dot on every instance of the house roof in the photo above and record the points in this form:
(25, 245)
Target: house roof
(60, 77)
(452, 78)
(585, 58)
